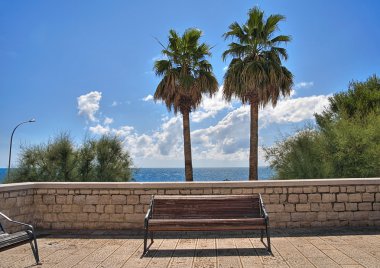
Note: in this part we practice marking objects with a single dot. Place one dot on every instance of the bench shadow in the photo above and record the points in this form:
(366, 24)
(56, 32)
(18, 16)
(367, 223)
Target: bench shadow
(206, 252)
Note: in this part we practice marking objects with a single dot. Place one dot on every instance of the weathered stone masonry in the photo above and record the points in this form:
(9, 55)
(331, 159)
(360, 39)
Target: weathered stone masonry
(300, 203)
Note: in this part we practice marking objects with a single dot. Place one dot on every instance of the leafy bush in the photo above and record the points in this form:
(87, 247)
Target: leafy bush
(59, 160)
(345, 142)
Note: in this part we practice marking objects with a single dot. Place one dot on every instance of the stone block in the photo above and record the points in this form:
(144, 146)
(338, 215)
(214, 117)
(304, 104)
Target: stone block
(293, 198)
(339, 207)
(328, 198)
(92, 199)
(303, 198)
(290, 207)
(104, 199)
(268, 190)
(365, 206)
(94, 216)
(104, 217)
(145, 199)
(351, 206)
(297, 216)
(351, 189)
(48, 199)
(360, 188)
(139, 209)
(117, 217)
(355, 198)
(62, 191)
(185, 191)
(174, 192)
(66, 208)
(334, 189)
(376, 206)
(361, 215)
(342, 197)
(346, 215)
(302, 207)
(114, 191)
(374, 215)
(121, 199)
(196, 191)
(258, 190)
(274, 198)
(224, 191)
(377, 196)
(237, 191)
(79, 199)
(85, 191)
(76, 208)
(308, 190)
(332, 215)
(274, 208)
(245, 191)
(100, 208)
(368, 197)
(314, 198)
(110, 209)
(314, 206)
(128, 209)
(60, 199)
(323, 189)
(296, 190)
(118, 209)
(372, 189)
(89, 208)
(343, 189)
(209, 191)
(322, 216)
(277, 190)
(132, 199)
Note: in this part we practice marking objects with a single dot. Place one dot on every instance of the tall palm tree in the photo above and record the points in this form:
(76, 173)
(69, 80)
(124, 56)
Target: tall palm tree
(186, 76)
(255, 74)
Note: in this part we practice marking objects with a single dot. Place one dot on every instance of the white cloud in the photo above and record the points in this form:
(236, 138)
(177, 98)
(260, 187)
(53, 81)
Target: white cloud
(88, 104)
(304, 85)
(100, 130)
(225, 68)
(114, 103)
(148, 98)
(108, 121)
(224, 142)
(293, 110)
(210, 106)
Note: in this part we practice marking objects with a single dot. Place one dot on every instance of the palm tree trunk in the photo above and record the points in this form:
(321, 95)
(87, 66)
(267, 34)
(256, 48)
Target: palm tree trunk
(187, 147)
(254, 137)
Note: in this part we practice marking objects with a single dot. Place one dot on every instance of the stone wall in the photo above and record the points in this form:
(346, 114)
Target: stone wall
(291, 204)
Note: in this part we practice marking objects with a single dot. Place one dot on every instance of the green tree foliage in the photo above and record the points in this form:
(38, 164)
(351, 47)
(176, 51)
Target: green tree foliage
(59, 160)
(345, 143)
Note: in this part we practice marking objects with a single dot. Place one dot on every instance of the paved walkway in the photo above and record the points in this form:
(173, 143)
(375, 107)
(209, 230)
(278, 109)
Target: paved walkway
(294, 248)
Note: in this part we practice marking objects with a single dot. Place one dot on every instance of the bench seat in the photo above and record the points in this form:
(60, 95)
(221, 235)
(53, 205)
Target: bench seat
(206, 213)
(7, 240)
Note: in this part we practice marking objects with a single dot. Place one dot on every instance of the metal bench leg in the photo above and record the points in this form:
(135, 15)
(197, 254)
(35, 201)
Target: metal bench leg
(268, 235)
(151, 237)
(35, 250)
(262, 235)
(145, 240)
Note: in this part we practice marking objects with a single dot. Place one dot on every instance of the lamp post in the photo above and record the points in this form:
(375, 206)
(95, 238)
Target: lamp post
(10, 145)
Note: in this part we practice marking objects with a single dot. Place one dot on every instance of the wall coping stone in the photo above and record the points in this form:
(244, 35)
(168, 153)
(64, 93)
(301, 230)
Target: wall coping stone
(182, 185)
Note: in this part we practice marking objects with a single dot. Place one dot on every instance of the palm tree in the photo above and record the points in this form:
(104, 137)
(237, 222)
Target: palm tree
(255, 74)
(186, 76)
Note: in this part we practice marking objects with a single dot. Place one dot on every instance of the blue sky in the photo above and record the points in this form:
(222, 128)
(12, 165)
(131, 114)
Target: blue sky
(85, 67)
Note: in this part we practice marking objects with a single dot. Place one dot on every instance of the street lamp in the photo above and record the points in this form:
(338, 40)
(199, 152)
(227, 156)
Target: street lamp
(10, 145)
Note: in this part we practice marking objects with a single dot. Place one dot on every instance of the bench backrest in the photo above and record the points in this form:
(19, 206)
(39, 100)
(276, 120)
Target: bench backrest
(205, 206)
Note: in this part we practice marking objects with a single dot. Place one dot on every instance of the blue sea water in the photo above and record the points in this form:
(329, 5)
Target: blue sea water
(178, 174)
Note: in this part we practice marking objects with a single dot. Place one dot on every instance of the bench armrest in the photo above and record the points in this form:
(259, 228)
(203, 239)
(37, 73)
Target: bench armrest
(30, 227)
(263, 211)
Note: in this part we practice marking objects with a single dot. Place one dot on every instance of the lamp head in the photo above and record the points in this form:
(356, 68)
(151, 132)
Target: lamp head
(32, 120)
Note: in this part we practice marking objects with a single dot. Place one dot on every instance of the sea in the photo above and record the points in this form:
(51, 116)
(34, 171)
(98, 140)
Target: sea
(178, 174)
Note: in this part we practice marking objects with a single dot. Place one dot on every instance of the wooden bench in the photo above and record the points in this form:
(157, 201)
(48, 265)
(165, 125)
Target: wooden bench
(206, 213)
(10, 240)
